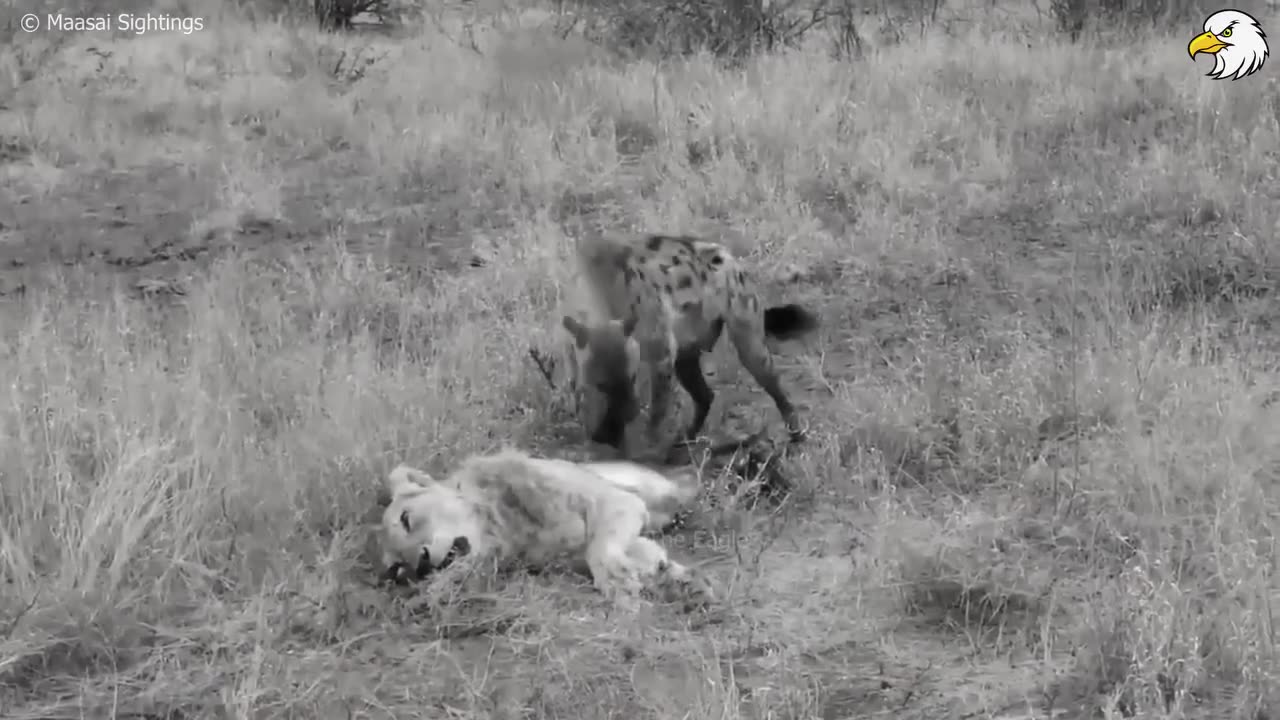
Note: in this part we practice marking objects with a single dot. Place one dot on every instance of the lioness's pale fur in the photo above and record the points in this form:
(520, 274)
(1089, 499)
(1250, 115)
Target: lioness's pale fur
(510, 506)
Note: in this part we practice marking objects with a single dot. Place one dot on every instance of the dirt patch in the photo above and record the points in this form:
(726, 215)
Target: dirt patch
(12, 150)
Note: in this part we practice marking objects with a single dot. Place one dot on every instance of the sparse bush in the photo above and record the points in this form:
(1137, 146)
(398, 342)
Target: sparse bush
(330, 15)
(337, 14)
(1124, 16)
(725, 28)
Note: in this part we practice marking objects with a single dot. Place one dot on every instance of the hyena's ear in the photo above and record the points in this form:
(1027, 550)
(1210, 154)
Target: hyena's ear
(577, 330)
(405, 480)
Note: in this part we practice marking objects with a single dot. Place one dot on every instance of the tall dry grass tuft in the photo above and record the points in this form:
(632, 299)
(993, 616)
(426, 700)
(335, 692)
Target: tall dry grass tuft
(1039, 482)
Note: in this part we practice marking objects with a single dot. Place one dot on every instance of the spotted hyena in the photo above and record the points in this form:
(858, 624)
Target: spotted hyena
(664, 300)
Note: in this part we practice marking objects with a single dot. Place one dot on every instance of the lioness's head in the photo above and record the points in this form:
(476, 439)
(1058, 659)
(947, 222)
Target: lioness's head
(425, 528)
(608, 357)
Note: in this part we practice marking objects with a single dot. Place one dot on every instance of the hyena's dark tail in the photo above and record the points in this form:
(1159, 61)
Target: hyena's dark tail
(788, 322)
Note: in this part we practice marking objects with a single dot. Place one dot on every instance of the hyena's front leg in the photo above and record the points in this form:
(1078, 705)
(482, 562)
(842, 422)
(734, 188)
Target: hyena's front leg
(661, 376)
(689, 372)
(577, 393)
(661, 356)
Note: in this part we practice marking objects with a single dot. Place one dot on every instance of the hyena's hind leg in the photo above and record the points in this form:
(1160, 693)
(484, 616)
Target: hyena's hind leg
(747, 333)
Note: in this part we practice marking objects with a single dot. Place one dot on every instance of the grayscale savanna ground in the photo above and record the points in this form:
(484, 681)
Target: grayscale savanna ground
(247, 271)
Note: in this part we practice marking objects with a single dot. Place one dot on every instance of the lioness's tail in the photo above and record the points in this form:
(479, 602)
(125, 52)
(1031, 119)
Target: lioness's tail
(404, 480)
(788, 322)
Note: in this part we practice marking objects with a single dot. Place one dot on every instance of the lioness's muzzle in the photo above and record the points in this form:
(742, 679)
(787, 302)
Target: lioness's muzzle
(460, 547)
(398, 572)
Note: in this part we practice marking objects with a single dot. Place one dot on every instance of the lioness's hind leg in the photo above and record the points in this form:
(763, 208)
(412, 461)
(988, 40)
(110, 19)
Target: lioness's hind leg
(648, 557)
(608, 554)
(667, 579)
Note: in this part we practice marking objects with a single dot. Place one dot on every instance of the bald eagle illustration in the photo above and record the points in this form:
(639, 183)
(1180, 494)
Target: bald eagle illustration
(1235, 40)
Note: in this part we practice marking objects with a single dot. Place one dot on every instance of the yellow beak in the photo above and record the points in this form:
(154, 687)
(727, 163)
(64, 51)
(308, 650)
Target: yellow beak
(1205, 42)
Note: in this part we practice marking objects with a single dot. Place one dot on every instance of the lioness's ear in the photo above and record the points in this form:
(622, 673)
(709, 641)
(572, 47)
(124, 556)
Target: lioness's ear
(577, 330)
(405, 480)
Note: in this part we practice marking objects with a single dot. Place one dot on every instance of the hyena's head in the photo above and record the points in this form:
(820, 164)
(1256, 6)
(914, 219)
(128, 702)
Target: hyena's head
(426, 527)
(607, 358)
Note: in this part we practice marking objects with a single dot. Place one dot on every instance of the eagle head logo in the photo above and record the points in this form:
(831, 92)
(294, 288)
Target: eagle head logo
(1235, 40)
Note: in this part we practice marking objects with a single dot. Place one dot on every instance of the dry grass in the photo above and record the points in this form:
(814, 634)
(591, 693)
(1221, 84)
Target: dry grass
(187, 482)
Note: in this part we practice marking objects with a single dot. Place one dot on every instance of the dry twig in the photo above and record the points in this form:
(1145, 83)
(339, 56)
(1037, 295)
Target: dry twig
(545, 365)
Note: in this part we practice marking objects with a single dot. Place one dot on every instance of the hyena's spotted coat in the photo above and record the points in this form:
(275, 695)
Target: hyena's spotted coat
(664, 300)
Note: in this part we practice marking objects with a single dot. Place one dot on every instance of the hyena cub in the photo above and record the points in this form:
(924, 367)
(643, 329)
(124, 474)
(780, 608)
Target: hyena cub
(664, 300)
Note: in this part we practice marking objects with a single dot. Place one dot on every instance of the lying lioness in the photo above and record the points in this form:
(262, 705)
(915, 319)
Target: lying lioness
(510, 506)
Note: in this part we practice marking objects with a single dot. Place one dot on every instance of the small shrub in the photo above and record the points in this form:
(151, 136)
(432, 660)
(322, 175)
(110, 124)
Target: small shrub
(1070, 15)
(725, 28)
(337, 14)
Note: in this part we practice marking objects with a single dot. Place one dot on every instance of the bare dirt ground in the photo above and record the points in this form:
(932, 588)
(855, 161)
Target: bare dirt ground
(247, 271)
